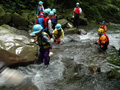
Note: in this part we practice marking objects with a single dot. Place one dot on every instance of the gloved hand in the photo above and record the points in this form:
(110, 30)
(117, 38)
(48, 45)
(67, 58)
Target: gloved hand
(50, 52)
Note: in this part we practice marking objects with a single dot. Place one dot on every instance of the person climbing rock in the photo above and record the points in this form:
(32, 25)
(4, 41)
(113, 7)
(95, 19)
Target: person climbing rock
(40, 8)
(103, 39)
(44, 43)
(103, 26)
(58, 33)
(54, 18)
(76, 14)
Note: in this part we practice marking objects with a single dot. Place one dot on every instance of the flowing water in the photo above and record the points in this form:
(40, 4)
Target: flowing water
(77, 64)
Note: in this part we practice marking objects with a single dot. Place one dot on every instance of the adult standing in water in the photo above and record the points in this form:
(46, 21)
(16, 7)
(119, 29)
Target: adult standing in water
(40, 8)
(103, 26)
(44, 43)
(76, 14)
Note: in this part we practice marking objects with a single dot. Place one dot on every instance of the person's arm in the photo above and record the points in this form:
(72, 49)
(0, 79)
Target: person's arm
(74, 12)
(105, 28)
(50, 26)
(80, 10)
(45, 39)
(43, 7)
(62, 34)
(37, 11)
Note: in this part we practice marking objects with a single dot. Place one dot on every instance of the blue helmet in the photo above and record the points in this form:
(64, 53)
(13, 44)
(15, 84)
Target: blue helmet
(48, 11)
(77, 3)
(54, 10)
(37, 28)
(40, 3)
(103, 22)
(51, 13)
(45, 11)
(58, 26)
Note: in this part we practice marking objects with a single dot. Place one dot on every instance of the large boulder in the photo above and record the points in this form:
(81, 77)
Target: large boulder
(20, 22)
(4, 17)
(63, 22)
(17, 44)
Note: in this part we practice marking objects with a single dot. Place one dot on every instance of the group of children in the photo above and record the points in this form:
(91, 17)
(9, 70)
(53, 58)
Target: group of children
(46, 27)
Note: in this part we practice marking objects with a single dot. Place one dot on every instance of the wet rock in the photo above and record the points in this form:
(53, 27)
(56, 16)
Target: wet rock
(82, 32)
(26, 87)
(69, 25)
(94, 69)
(70, 30)
(20, 22)
(17, 44)
(63, 22)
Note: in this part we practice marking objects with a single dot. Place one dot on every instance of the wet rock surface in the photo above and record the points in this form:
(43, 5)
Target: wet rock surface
(16, 44)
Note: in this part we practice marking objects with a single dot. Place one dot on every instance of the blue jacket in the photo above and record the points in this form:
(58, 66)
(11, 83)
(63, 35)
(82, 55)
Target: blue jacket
(41, 21)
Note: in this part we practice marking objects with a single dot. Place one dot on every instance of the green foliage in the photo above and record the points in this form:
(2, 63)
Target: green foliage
(96, 10)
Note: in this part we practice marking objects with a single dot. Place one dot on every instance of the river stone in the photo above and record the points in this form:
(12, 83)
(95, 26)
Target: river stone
(63, 22)
(82, 32)
(20, 22)
(27, 87)
(70, 30)
(17, 44)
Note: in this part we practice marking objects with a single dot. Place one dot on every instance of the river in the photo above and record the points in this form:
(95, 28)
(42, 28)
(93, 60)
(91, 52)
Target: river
(77, 64)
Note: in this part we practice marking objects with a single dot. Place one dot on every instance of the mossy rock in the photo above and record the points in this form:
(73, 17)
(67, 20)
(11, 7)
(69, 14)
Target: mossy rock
(71, 31)
(20, 22)
(63, 22)
(2, 12)
(6, 18)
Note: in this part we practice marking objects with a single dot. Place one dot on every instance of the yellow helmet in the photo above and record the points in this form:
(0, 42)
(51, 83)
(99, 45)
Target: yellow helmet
(100, 30)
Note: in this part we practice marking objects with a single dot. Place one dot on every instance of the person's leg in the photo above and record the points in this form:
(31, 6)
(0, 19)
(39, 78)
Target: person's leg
(77, 21)
(54, 41)
(58, 40)
(46, 57)
(40, 56)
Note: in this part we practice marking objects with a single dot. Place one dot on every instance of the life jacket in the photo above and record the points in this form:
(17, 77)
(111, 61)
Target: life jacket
(58, 34)
(38, 17)
(107, 41)
(103, 27)
(77, 11)
(41, 43)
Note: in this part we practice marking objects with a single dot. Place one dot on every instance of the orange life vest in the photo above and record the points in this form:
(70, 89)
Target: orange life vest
(107, 41)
